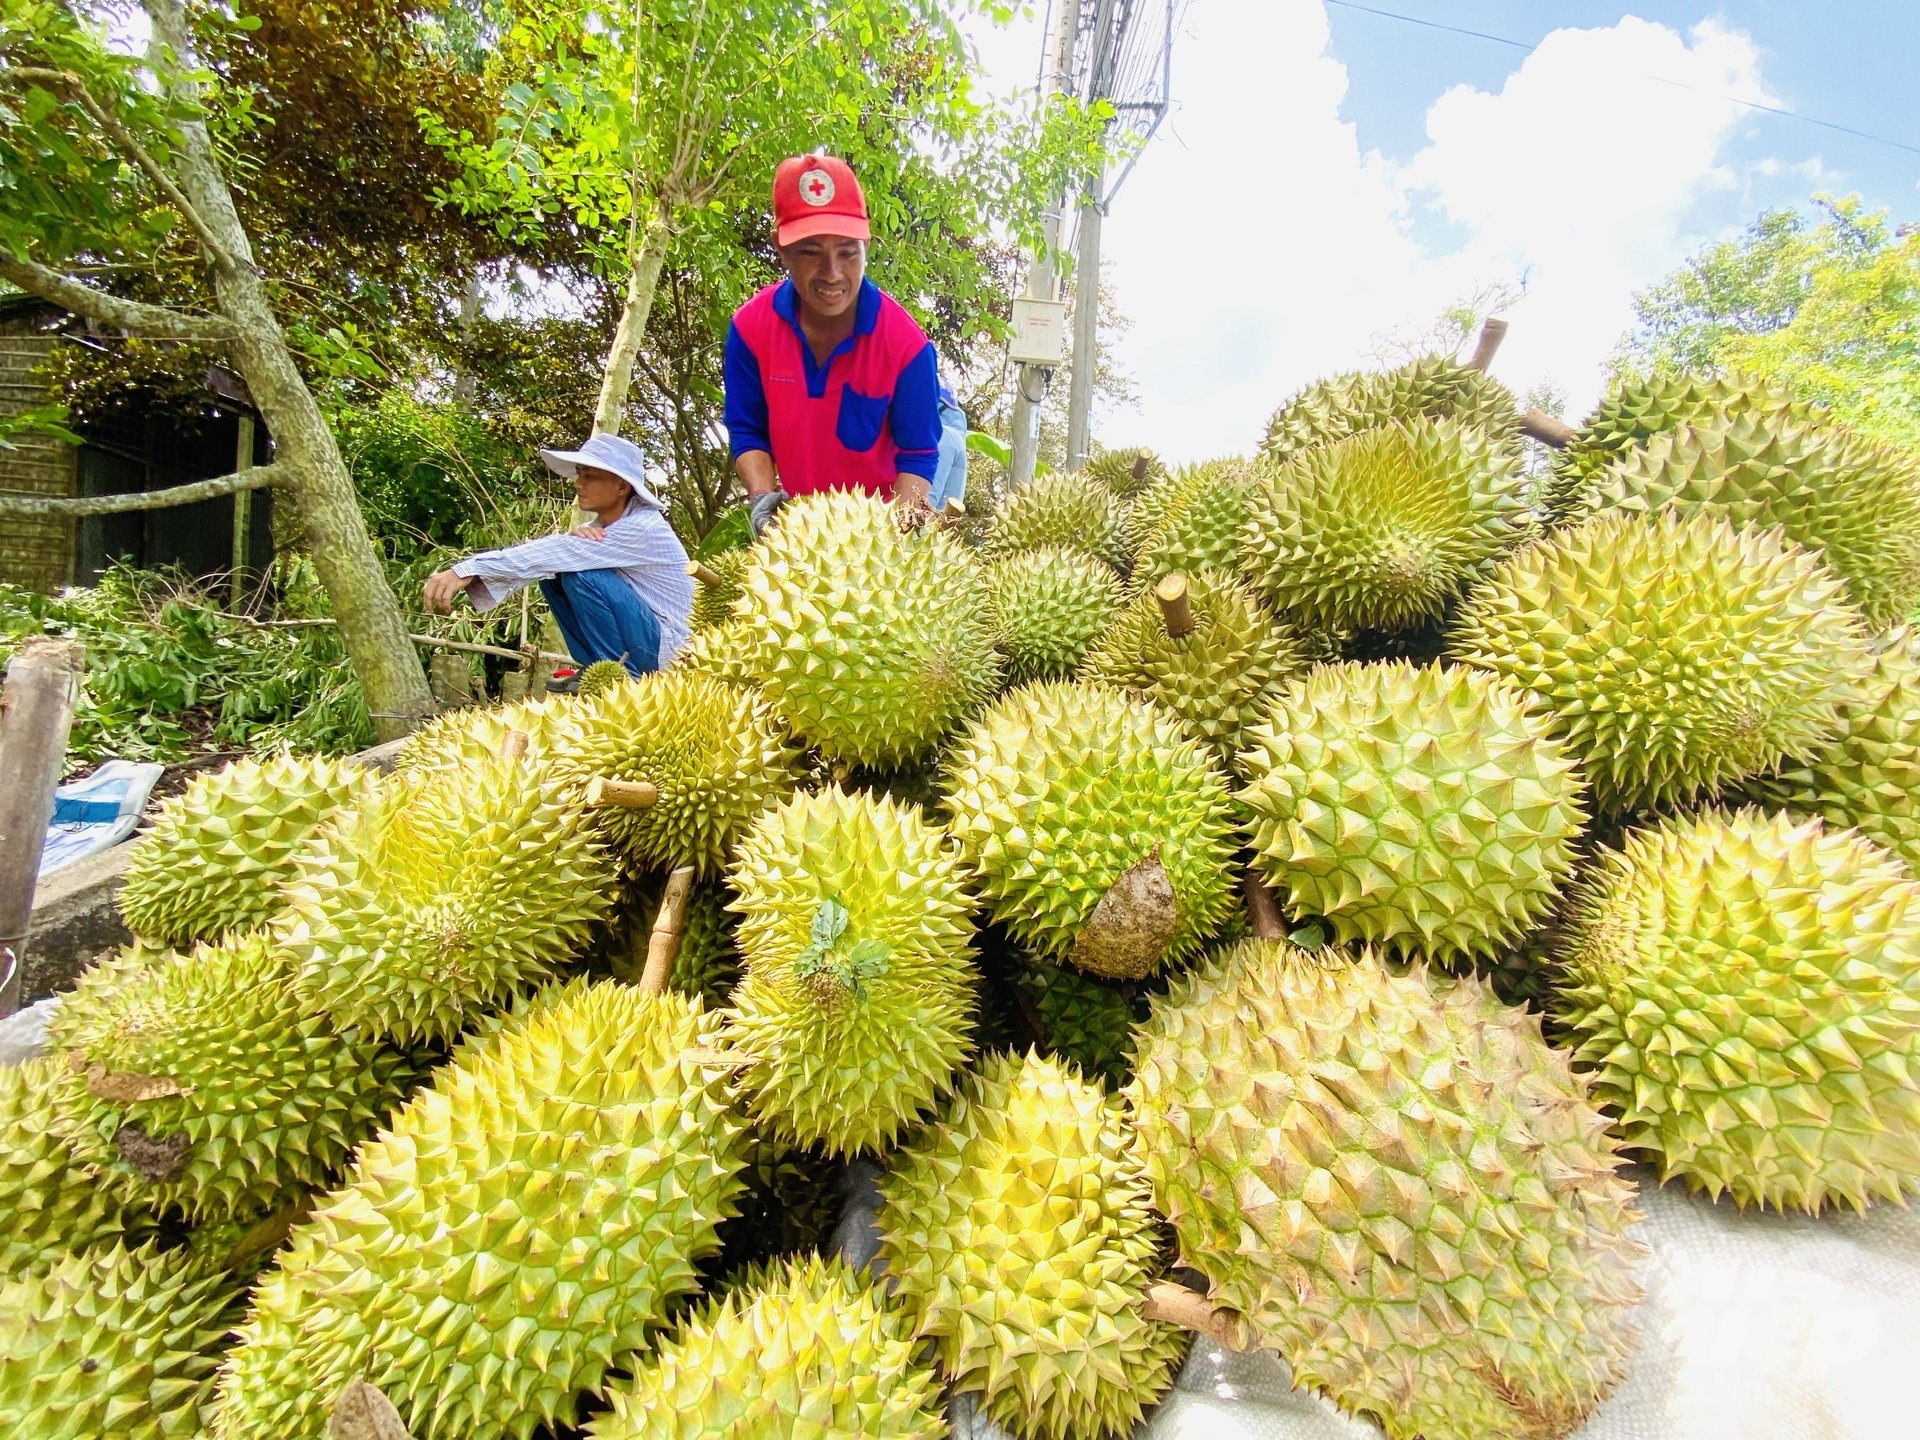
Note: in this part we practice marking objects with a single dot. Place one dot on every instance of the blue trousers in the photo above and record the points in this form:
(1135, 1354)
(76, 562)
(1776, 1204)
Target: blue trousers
(602, 619)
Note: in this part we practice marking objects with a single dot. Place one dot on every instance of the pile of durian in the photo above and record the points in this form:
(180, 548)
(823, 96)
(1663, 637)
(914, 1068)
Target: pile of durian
(1271, 897)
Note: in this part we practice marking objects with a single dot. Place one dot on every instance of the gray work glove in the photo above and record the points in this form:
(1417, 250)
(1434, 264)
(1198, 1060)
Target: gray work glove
(760, 510)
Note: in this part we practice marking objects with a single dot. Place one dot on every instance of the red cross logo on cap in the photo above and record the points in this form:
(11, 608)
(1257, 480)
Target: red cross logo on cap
(816, 187)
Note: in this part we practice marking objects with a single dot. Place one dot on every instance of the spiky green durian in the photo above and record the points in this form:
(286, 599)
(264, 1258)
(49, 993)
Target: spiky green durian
(1380, 530)
(1192, 521)
(791, 1203)
(717, 754)
(1125, 472)
(1089, 1022)
(1096, 824)
(1856, 503)
(110, 1344)
(1636, 409)
(1018, 1239)
(708, 961)
(1437, 387)
(601, 676)
(722, 651)
(805, 1348)
(1049, 605)
(460, 738)
(1747, 988)
(713, 604)
(1425, 808)
(218, 852)
(1219, 677)
(1677, 653)
(1870, 776)
(1073, 510)
(442, 898)
(49, 1203)
(1397, 1182)
(519, 1229)
(856, 1003)
(202, 1081)
(872, 644)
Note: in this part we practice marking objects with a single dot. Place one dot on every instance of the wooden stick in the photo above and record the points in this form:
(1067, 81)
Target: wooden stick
(36, 712)
(1177, 1305)
(1263, 911)
(513, 744)
(663, 945)
(1175, 606)
(1491, 334)
(705, 576)
(627, 794)
(258, 478)
(1547, 429)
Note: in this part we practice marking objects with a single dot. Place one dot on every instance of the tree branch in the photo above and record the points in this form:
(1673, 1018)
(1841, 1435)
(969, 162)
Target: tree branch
(258, 478)
(154, 321)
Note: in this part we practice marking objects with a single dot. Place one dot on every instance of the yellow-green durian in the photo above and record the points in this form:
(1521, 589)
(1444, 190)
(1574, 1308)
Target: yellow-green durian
(601, 676)
(1018, 1239)
(1746, 987)
(441, 899)
(713, 604)
(1677, 653)
(1191, 521)
(50, 1203)
(1381, 529)
(1436, 387)
(1125, 472)
(856, 1002)
(873, 644)
(707, 962)
(1096, 825)
(804, 1348)
(1074, 510)
(519, 1230)
(1397, 1183)
(722, 651)
(1425, 808)
(459, 738)
(1049, 604)
(218, 852)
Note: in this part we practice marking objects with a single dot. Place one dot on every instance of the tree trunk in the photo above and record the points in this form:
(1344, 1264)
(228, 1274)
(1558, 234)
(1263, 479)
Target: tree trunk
(642, 281)
(371, 624)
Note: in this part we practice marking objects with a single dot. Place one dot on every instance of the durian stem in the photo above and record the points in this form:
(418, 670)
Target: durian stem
(705, 576)
(1177, 1305)
(362, 1412)
(663, 945)
(627, 794)
(1176, 607)
(1263, 911)
(1491, 334)
(1547, 429)
(513, 744)
(36, 712)
(1139, 468)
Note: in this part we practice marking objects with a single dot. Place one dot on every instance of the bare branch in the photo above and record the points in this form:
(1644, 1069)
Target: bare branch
(258, 478)
(155, 321)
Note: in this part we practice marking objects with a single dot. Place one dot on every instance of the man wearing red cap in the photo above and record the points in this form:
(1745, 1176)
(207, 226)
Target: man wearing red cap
(831, 385)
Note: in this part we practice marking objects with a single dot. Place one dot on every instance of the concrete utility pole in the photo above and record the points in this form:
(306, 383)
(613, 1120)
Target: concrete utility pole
(1086, 262)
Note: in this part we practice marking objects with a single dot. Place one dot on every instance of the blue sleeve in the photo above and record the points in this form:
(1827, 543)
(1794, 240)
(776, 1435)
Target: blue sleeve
(746, 408)
(915, 416)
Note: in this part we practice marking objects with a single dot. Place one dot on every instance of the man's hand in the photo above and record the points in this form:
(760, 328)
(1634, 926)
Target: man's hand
(912, 490)
(588, 532)
(436, 597)
(760, 510)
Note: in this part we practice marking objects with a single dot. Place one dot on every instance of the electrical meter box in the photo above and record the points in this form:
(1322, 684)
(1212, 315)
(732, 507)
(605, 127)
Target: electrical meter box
(1039, 333)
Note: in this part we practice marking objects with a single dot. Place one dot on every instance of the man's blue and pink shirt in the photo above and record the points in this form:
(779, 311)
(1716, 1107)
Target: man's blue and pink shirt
(857, 421)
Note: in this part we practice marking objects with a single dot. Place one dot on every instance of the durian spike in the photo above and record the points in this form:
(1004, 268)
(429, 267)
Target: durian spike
(1132, 925)
(1547, 429)
(1263, 910)
(1176, 607)
(663, 945)
(1491, 334)
(361, 1412)
(1177, 1305)
(704, 575)
(513, 744)
(627, 794)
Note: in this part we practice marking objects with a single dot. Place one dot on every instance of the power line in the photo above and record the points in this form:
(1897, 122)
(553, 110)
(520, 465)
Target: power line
(1679, 84)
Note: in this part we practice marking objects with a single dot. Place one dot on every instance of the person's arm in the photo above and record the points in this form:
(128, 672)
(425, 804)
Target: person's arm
(746, 415)
(914, 418)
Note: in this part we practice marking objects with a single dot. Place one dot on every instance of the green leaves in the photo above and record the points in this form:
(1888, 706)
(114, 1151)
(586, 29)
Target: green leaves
(850, 965)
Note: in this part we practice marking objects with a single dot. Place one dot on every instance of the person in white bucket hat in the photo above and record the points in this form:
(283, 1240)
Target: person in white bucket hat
(618, 587)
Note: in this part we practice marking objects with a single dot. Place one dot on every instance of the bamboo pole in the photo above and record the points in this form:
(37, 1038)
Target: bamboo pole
(36, 712)
(1176, 607)
(242, 512)
(663, 945)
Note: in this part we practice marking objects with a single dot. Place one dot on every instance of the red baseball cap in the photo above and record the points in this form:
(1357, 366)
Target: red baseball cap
(817, 195)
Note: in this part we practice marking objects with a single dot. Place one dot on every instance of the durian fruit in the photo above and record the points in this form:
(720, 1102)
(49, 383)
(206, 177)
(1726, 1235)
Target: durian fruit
(520, 1229)
(1192, 521)
(1074, 510)
(1636, 409)
(202, 1081)
(217, 853)
(110, 1344)
(872, 644)
(1870, 776)
(803, 1348)
(1854, 502)
(1082, 1020)
(1219, 677)
(1436, 387)
(49, 1204)
(1747, 988)
(1380, 530)
(1125, 472)
(717, 754)
(1095, 824)
(1397, 1183)
(792, 1201)
(722, 651)
(856, 1002)
(1049, 604)
(1423, 808)
(442, 899)
(708, 961)
(460, 738)
(1018, 1239)
(1677, 653)
(601, 676)
(713, 604)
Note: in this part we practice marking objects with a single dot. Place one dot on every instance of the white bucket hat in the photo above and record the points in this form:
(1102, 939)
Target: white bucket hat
(607, 452)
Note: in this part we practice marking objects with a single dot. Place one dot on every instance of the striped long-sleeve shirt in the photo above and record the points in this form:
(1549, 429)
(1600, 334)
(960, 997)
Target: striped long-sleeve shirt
(640, 545)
